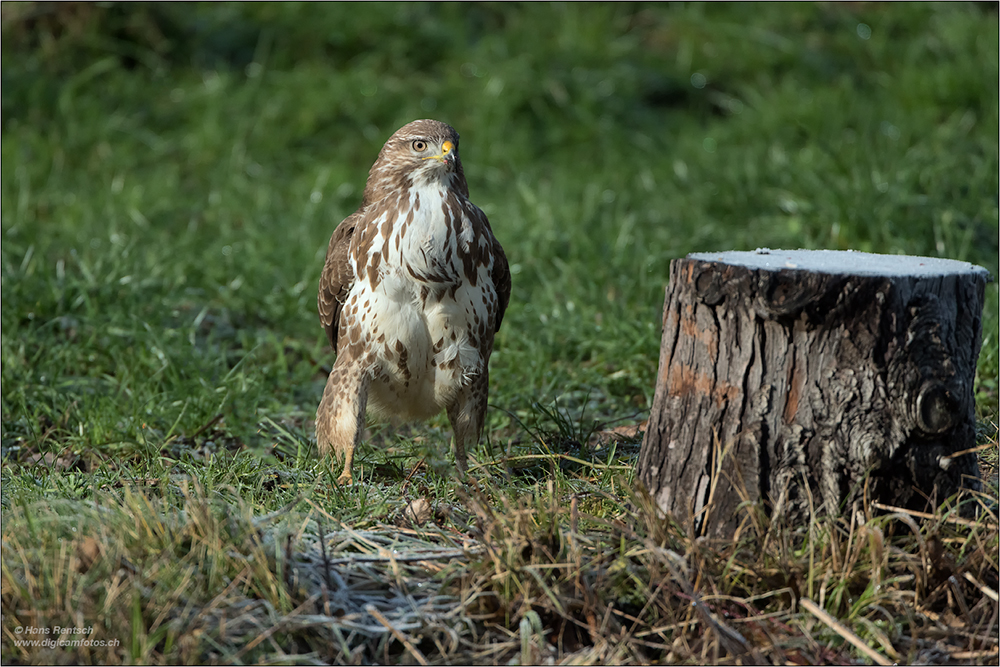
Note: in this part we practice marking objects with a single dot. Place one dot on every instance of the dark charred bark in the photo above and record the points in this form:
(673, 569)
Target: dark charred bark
(812, 378)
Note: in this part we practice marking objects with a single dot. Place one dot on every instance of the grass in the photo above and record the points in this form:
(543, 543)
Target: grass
(170, 176)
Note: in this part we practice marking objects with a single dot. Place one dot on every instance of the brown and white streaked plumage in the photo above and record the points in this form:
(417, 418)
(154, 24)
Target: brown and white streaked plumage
(414, 288)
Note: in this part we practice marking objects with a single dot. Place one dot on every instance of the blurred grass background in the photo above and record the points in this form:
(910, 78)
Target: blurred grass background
(171, 173)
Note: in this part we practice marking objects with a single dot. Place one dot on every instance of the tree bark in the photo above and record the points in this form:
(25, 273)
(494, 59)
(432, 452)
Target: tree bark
(805, 380)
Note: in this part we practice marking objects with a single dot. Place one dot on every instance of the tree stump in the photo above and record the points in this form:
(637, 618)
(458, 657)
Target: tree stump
(808, 379)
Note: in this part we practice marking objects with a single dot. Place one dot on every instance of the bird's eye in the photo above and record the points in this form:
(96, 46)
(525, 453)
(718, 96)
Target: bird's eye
(419, 146)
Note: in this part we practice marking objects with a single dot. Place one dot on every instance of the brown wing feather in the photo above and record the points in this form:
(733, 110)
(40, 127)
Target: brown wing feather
(501, 279)
(501, 270)
(336, 280)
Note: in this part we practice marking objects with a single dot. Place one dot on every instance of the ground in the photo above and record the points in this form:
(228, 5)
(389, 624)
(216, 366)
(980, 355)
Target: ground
(170, 177)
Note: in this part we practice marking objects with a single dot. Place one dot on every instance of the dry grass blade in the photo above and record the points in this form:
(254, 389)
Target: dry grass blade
(971, 450)
(972, 655)
(927, 515)
(987, 591)
(844, 632)
(397, 634)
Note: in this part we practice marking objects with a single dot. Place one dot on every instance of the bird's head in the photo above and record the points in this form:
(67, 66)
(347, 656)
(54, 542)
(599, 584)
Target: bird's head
(424, 150)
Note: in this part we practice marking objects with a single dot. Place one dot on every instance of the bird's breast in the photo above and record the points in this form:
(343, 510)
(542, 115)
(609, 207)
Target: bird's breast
(429, 305)
(428, 238)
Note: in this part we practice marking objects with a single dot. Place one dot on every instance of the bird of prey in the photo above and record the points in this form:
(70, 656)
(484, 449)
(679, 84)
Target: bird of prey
(413, 291)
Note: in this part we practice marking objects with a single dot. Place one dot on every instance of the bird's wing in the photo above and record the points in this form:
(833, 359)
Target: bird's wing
(337, 278)
(501, 270)
(501, 279)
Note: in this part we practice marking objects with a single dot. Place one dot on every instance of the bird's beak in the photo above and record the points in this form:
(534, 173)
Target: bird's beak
(447, 155)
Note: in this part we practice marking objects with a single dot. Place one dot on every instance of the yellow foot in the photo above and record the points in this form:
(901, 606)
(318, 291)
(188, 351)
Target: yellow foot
(345, 479)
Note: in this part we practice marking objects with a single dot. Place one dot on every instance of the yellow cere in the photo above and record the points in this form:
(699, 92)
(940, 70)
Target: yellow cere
(445, 149)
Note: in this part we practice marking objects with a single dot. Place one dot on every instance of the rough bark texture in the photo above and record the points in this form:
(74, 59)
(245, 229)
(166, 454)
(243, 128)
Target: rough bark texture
(804, 378)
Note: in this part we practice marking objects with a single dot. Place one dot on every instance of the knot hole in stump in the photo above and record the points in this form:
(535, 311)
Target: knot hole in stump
(936, 408)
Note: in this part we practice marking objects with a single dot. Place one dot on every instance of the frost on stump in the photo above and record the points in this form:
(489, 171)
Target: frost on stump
(812, 378)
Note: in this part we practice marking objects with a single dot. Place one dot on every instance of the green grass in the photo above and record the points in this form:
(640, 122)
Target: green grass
(171, 175)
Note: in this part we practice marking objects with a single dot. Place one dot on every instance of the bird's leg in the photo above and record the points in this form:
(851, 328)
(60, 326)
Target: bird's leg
(467, 414)
(340, 419)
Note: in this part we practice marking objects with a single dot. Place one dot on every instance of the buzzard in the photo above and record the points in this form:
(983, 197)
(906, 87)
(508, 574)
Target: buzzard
(413, 290)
